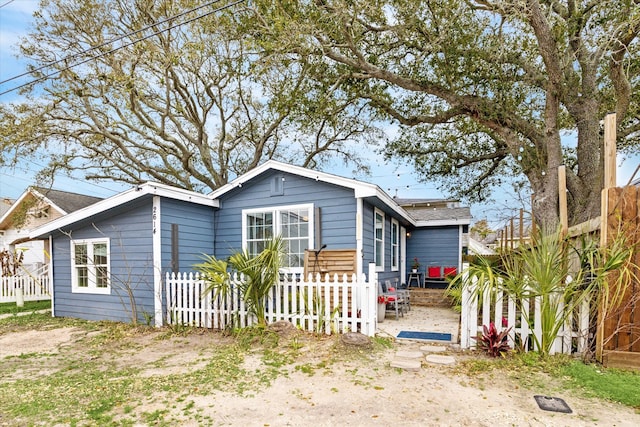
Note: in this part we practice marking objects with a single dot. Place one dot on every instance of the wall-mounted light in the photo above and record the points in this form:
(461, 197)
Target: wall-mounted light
(408, 234)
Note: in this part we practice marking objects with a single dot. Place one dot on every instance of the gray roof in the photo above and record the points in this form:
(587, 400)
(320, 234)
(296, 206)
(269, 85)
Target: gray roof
(434, 209)
(69, 202)
(433, 214)
(412, 202)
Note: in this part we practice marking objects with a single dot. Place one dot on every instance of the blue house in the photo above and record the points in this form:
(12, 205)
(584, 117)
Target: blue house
(109, 258)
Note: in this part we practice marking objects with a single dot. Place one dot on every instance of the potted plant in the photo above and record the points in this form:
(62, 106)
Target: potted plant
(382, 307)
(416, 265)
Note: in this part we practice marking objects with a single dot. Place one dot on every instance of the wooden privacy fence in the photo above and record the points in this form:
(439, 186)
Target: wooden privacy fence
(333, 304)
(525, 319)
(35, 287)
(618, 337)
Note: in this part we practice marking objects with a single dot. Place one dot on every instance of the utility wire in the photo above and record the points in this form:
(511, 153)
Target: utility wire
(70, 57)
(46, 77)
(9, 2)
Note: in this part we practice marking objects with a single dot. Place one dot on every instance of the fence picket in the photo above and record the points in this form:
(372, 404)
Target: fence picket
(309, 304)
(34, 287)
(492, 307)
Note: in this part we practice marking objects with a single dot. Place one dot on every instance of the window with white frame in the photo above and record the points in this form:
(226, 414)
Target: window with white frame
(90, 266)
(292, 223)
(395, 245)
(378, 249)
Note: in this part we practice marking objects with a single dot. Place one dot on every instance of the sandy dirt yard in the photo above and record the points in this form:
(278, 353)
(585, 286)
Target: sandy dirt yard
(319, 387)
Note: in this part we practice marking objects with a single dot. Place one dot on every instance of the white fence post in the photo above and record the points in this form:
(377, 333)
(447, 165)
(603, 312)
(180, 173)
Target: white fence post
(469, 310)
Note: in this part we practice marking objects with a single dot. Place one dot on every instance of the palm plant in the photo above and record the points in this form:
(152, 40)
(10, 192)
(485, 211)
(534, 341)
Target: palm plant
(258, 275)
(558, 275)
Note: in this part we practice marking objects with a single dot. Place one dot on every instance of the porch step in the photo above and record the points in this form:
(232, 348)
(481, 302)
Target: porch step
(429, 297)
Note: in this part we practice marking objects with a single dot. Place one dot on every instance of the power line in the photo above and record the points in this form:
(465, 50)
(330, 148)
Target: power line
(9, 2)
(70, 177)
(123, 46)
(70, 57)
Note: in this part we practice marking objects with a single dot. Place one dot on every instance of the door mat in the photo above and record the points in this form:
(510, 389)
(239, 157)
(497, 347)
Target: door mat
(424, 336)
(554, 404)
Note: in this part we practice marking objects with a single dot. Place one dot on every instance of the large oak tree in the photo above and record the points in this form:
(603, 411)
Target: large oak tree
(482, 89)
(149, 90)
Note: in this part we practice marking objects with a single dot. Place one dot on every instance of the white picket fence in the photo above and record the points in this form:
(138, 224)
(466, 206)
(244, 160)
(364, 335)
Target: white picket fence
(35, 286)
(333, 304)
(497, 307)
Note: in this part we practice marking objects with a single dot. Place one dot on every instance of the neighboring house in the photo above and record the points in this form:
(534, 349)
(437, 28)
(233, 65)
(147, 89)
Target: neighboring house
(35, 207)
(5, 205)
(123, 245)
(476, 247)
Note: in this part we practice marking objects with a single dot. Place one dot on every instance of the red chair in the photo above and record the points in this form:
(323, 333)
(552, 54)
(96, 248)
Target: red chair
(450, 271)
(434, 272)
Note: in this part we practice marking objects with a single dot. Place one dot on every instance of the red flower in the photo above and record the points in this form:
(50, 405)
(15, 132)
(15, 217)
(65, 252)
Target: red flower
(382, 299)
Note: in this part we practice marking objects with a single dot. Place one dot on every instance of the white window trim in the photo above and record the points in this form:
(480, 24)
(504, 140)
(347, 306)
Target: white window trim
(375, 258)
(395, 248)
(91, 289)
(276, 222)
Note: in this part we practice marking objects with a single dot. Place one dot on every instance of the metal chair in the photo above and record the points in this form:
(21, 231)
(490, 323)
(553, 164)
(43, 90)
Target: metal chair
(405, 296)
(392, 298)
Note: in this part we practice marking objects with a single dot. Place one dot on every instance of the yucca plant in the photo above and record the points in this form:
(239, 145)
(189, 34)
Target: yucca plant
(259, 274)
(558, 274)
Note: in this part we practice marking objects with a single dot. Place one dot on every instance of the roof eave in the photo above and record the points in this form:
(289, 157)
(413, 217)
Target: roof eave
(360, 189)
(377, 192)
(443, 222)
(122, 198)
(357, 186)
(49, 201)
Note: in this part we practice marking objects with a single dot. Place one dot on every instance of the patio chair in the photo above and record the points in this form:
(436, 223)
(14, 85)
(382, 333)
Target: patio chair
(404, 297)
(393, 300)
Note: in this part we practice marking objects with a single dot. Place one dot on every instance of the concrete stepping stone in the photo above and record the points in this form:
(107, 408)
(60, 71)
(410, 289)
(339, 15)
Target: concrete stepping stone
(433, 349)
(438, 359)
(406, 354)
(407, 364)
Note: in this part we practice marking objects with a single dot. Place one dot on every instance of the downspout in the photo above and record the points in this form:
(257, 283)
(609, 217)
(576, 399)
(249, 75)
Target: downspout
(50, 274)
(359, 244)
(157, 261)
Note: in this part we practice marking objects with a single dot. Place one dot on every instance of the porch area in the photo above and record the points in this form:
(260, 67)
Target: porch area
(439, 320)
(430, 312)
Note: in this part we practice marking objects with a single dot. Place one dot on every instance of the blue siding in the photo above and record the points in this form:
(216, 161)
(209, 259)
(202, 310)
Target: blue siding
(195, 232)
(337, 205)
(434, 246)
(368, 243)
(129, 230)
(368, 236)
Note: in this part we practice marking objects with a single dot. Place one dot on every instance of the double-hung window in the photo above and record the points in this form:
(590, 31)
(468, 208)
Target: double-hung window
(90, 266)
(395, 245)
(379, 240)
(292, 223)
